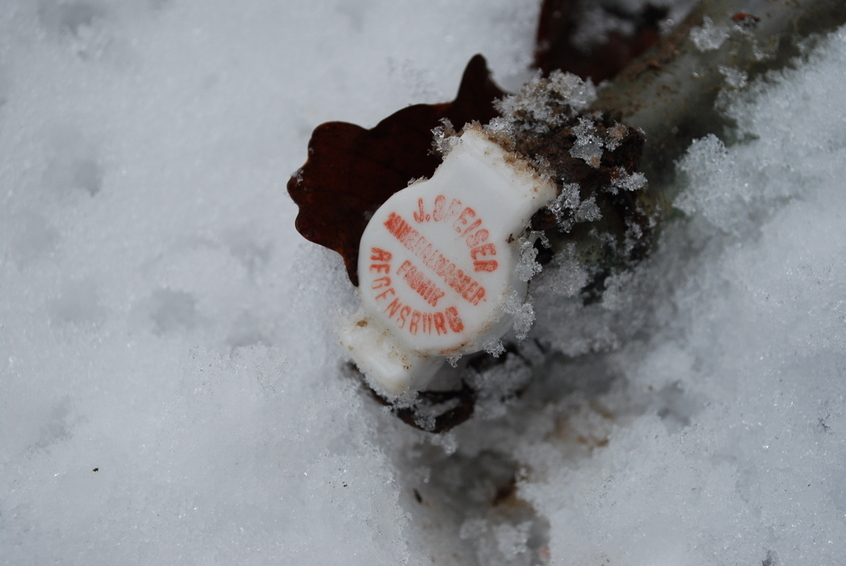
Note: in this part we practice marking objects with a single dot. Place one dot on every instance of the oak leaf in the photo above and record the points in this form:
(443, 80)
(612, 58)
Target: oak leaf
(351, 170)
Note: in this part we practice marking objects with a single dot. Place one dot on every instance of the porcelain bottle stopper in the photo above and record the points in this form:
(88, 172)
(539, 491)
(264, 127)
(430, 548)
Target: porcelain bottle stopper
(437, 262)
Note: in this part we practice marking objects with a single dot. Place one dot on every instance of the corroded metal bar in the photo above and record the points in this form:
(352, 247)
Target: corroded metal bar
(671, 92)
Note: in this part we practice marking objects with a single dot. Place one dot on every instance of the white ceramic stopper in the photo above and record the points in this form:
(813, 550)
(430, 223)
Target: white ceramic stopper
(437, 262)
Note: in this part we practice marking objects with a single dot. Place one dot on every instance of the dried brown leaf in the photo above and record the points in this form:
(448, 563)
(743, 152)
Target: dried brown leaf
(351, 170)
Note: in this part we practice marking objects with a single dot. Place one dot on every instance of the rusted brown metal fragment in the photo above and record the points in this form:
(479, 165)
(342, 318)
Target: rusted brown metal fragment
(594, 161)
(602, 57)
(441, 411)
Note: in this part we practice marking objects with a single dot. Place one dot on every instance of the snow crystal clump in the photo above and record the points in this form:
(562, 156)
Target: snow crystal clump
(496, 386)
(523, 313)
(545, 103)
(511, 540)
(708, 36)
(527, 267)
(588, 211)
(615, 135)
(588, 145)
(714, 183)
(494, 347)
(567, 200)
(567, 274)
(447, 441)
(727, 189)
(627, 181)
(734, 79)
(445, 137)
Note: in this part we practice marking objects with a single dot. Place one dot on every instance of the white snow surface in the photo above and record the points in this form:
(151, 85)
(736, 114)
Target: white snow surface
(171, 388)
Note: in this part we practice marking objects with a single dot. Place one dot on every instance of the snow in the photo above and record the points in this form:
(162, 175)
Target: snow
(628, 182)
(523, 313)
(544, 102)
(588, 145)
(527, 267)
(171, 389)
(720, 417)
(708, 36)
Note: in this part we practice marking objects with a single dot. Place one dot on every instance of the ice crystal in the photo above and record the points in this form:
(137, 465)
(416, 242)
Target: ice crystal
(708, 36)
(545, 103)
(523, 313)
(527, 267)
